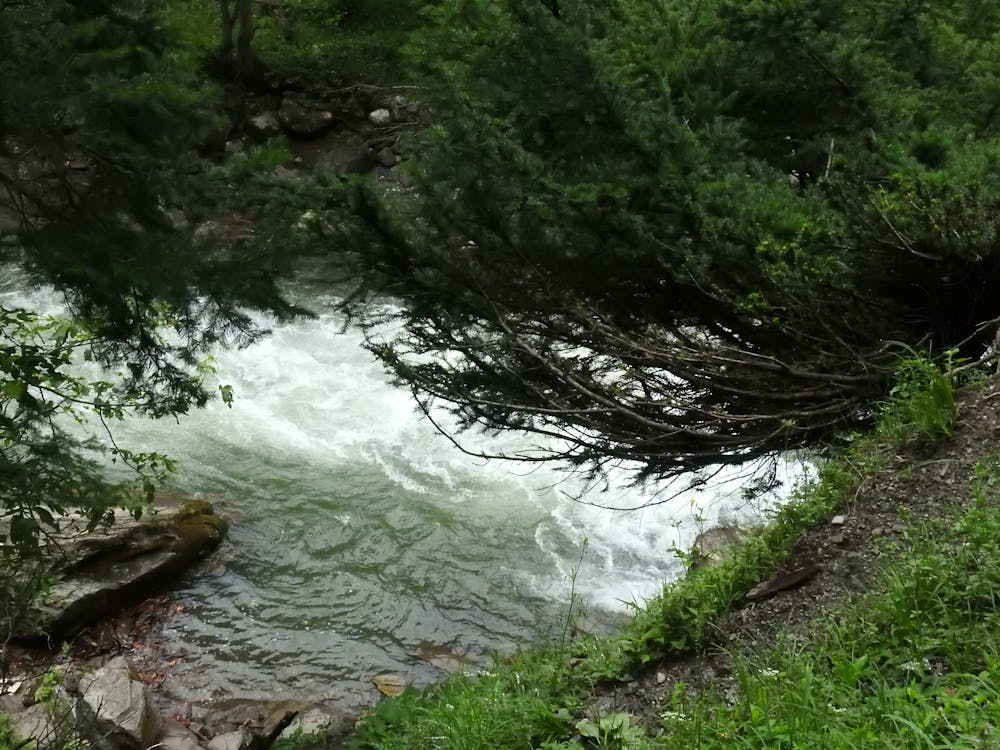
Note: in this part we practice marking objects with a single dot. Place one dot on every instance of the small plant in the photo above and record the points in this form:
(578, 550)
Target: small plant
(921, 405)
(612, 732)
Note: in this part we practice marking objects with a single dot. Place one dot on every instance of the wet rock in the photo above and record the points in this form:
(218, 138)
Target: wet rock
(105, 571)
(116, 710)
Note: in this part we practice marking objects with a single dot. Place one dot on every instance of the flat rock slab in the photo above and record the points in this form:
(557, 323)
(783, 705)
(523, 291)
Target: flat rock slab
(102, 572)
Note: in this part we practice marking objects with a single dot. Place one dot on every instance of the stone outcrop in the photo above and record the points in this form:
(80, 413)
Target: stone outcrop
(102, 572)
(111, 709)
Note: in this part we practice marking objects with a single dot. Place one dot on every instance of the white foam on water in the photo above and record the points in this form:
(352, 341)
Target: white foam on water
(312, 405)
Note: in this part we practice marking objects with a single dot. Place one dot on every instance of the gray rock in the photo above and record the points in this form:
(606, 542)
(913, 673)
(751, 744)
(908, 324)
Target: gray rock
(263, 126)
(33, 723)
(313, 721)
(303, 122)
(231, 741)
(176, 736)
(264, 719)
(351, 159)
(116, 710)
(387, 157)
(380, 117)
(838, 520)
(234, 146)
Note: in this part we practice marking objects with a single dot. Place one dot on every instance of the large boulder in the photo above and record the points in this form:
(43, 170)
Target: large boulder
(115, 710)
(107, 570)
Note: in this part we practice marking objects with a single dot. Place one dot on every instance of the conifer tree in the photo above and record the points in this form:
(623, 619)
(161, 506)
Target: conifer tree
(104, 196)
(683, 233)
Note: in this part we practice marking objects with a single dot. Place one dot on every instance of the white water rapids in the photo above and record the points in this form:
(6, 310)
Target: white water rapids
(363, 541)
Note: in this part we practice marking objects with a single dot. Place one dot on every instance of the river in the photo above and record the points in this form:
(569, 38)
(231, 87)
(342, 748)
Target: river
(362, 541)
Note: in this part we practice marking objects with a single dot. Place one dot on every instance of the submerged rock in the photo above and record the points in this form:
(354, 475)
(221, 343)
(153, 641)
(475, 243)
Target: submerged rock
(104, 571)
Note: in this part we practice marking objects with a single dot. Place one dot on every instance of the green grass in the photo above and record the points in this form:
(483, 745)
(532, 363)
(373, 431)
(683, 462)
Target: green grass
(937, 606)
(914, 665)
(920, 408)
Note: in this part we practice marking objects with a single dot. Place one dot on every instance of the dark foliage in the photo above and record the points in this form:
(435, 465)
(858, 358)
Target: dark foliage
(688, 233)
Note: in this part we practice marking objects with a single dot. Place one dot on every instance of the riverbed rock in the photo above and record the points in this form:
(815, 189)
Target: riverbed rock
(106, 570)
(316, 720)
(238, 740)
(116, 710)
(176, 736)
(264, 719)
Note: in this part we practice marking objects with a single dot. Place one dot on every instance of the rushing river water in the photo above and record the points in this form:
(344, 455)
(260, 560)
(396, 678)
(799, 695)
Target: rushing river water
(363, 541)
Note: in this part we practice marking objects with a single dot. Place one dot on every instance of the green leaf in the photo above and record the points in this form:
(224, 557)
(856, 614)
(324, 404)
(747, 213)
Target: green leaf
(587, 728)
(23, 530)
(15, 389)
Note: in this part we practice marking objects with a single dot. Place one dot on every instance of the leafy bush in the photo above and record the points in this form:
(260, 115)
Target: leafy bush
(921, 406)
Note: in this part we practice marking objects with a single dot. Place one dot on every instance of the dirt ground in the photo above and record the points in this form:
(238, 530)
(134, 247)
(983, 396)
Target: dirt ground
(918, 488)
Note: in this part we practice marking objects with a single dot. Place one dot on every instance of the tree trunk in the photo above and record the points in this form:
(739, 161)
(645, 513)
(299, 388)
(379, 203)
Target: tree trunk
(228, 20)
(244, 50)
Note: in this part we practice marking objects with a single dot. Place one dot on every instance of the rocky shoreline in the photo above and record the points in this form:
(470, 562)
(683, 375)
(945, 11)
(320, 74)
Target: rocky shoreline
(83, 663)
